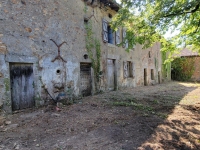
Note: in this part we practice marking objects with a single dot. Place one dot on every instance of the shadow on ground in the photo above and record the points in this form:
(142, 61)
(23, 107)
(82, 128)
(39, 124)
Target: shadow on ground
(164, 116)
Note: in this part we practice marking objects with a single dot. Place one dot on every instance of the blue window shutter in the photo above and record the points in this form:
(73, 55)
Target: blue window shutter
(117, 37)
(105, 30)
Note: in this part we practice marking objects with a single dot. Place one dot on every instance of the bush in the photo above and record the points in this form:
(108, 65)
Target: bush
(183, 68)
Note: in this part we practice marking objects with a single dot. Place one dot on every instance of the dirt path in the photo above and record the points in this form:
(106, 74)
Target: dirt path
(165, 116)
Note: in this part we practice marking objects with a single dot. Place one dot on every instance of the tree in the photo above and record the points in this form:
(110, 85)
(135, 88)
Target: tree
(149, 20)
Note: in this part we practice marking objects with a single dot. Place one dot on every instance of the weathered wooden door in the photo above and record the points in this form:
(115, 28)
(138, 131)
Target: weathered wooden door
(145, 77)
(22, 86)
(86, 80)
(110, 74)
(159, 77)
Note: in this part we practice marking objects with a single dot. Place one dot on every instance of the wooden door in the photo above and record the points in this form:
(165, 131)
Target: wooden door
(159, 77)
(110, 74)
(22, 86)
(86, 80)
(145, 77)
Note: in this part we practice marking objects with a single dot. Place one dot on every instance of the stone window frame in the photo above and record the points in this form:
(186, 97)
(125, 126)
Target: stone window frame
(129, 69)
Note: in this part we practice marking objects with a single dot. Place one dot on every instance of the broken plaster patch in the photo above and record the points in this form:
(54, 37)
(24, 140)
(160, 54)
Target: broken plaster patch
(1, 75)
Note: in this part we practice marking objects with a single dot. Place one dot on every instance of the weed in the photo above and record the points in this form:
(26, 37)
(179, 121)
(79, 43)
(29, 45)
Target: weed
(137, 106)
(155, 101)
(162, 115)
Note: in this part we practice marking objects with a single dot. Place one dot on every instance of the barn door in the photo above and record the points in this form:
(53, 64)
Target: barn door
(111, 74)
(86, 80)
(22, 86)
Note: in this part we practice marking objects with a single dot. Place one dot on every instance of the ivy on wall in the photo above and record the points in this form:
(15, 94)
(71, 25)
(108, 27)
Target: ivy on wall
(91, 45)
(183, 68)
(166, 65)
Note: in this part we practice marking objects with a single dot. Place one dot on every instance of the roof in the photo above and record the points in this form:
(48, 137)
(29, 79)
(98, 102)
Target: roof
(187, 52)
(111, 3)
(106, 3)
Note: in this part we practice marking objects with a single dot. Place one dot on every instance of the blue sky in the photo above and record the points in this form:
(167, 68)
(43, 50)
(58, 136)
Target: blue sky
(118, 1)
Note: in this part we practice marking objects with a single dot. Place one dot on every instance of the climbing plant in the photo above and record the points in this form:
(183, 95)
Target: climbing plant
(98, 55)
(166, 65)
(91, 44)
(183, 68)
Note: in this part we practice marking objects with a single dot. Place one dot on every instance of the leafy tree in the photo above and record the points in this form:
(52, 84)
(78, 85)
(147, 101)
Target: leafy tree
(149, 20)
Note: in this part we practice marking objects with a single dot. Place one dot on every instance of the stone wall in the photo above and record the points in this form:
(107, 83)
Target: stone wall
(31, 32)
(196, 74)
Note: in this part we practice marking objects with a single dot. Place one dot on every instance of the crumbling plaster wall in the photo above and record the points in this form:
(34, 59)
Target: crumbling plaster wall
(137, 55)
(153, 62)
(26, 28)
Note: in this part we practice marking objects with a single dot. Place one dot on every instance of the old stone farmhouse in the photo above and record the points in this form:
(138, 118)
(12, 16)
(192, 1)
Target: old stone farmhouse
(44, 53)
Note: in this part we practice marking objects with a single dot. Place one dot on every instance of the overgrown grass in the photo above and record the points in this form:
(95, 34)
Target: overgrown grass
(145, 106)
(135, 105)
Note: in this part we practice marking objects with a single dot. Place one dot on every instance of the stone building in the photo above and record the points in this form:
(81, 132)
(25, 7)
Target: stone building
(192, 58)
(44, 53)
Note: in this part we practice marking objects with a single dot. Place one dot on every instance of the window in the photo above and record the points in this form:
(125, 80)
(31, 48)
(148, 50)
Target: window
(152, 74)
(129, 70)
(117, 38)
(112, 37)
(105, 30)
(109, 36)
(85, 20)
(110, 16)
(125, 41)
(125, 69)
(149, 54)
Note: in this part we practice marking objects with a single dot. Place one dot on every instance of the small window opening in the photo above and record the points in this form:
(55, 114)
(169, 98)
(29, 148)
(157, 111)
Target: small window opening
(149, 54)
(85, 20)
(109, 15)
(129, 69)
(58, 71)
(152, 74)
(110, 36)
(85, 56)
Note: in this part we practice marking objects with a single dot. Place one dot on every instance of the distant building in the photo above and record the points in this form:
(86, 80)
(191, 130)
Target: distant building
(195, 57)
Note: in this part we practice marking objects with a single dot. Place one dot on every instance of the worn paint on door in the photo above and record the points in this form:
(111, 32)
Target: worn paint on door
(159, 77)
(22, 86)
(110, 74)
(86, 80)
(145, 77)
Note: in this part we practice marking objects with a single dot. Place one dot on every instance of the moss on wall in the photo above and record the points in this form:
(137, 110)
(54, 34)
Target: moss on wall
(166, 66)
(7, 84)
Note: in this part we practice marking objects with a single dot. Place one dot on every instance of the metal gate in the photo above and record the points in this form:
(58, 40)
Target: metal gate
(22, 86)
(86, 80)
(111, 74)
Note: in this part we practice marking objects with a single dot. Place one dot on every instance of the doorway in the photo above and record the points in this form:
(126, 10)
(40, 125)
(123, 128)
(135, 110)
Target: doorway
(22, 86)
(85, 78)
(145, 77)
(159, 77)
(111, 74)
